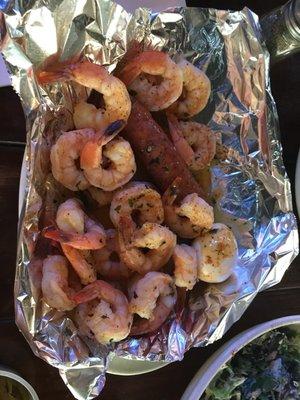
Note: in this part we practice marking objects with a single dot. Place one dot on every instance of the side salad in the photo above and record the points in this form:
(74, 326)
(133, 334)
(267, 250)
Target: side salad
(266, 369)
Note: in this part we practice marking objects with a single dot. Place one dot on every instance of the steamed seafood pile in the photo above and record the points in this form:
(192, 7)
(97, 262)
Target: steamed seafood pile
(119, 276)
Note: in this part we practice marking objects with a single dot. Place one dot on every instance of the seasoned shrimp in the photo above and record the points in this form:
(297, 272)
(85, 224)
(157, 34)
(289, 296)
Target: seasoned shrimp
(148, 290)
(190, 217)
(84, 269)
(108, 164)
(217, 254)
(159, 315)
(107, 260)
(148, 248)
(93, 76)
(185, 261)
(195, 93)
(55, 287)
(64, 154)
(196, 143)
(143, 74)
(70, 218)
(85, 234)
(138, 202)
(109, 319)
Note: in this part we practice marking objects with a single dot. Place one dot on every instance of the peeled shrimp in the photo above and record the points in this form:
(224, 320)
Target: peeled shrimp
(190, 217)
(93, 76)
(141, 76)
(109, 319)
(148, 290)
(70, 219)
(195, 93)
(64, 154)
(107, 260)
(196, 143)
(138, 202)
(157, 240)
(108, 164)
(85, 234)
(185, 261)
(217, 254)
(55, 287)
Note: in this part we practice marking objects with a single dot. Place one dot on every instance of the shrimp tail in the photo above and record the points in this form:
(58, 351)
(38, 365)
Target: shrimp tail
(55, 234)
(172, 191)
(91, 153)
(182, 146)
(88, 293)
(90, 156)
(129, 73)
(54, 75)
(115, 127)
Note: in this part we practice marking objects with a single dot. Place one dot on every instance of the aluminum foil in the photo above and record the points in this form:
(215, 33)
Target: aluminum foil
(250, 186)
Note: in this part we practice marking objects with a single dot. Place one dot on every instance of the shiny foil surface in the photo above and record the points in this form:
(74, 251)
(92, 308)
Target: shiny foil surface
(250, 186)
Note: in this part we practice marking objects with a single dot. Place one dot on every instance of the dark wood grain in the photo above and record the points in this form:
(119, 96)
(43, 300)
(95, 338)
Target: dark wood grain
(169, 382)
(10, 165)
(12, 121)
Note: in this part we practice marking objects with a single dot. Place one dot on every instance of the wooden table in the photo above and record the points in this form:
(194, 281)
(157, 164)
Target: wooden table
(169, 382)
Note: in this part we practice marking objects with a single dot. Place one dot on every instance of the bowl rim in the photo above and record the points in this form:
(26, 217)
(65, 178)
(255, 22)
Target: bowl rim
(9, 374)
(225, 353)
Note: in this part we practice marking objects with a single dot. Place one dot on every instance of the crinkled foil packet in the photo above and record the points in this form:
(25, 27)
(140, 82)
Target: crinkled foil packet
(250, 185)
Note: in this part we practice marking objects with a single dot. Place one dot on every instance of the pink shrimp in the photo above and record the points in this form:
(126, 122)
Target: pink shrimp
(85, 270)
(93, 76)
(109, 319)
(147, 290)
(55, 286)
(93, 238)
(195, 93)
(196, 143)
(141, 74)
(107, 260)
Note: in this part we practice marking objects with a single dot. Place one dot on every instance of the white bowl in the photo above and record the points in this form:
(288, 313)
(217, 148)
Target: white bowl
(212, 366)
(13, 376)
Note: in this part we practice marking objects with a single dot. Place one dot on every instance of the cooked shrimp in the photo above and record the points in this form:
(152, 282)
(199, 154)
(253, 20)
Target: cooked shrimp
(35, 273)
(196, 143)
(107, 260)
(185, 261)
(55, 287)
(84, 269)
(93, 76)
(109, 319)
(217, 254)
(75, 228)
(159, 315)
(102, 197)
(148, 248)
(148, 290)
(143, 74)
(70, 216)
(139, 202)
(190, 217)
(64, 154)
(195, 93)
(108, 164)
